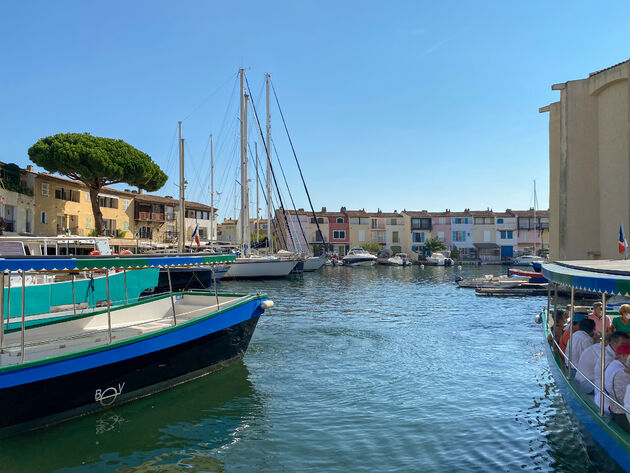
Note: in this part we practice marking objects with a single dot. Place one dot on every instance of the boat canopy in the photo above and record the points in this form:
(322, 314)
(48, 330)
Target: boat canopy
(600, 276)
(88, 263)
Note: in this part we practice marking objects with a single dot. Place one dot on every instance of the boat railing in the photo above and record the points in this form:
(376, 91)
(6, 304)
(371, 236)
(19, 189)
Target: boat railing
(27, 266)
(598, 389)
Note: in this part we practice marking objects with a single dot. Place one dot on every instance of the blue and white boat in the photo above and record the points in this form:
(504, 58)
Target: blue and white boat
(55, 369)
(607, 443)
(359, 257)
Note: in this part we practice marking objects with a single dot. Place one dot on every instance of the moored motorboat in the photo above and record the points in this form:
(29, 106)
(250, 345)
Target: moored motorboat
(528, 260)
(490, 280)
(359, 257)
(53, 370)
(438, 258)
(313, 263)
(601, 433)
(533, 276)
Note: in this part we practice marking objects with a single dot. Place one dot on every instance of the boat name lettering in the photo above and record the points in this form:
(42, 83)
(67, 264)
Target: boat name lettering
(108, 396)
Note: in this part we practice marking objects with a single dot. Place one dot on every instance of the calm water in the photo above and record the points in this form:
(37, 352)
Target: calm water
(355, 369)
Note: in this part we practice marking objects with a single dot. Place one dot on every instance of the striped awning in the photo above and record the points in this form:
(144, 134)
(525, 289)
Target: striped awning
(86, 263)
(608, 277)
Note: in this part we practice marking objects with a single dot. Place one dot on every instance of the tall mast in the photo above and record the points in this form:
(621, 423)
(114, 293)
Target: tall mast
(257, 204)
(182, 228)
(268, 149)
(535, 221)
(211, 189)
(244, 184)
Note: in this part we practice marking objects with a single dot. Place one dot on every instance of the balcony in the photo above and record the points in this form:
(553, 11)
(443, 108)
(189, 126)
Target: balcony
(63, 230)
(150, 216)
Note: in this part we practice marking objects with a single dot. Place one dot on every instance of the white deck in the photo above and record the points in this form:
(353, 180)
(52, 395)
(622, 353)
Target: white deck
(87, 332)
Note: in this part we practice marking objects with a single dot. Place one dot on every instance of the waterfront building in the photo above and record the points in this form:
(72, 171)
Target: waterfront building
(360, 226)
(418, 225)
(394, 231)
(339, 231)
(17, 203)
(297, 238)
(378, 225)
(533, 232)
(589, 169)
(63, 206)
(484, 235)
(506, 233)
(441, 227)
(317, 240)
(462, 234)
(226, 230)
(199, 214)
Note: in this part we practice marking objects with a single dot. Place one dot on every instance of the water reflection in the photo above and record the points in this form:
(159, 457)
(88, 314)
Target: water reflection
(187, 426)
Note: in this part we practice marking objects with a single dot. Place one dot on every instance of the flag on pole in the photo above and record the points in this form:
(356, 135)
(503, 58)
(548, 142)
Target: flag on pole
(623, 243)
(195, 236)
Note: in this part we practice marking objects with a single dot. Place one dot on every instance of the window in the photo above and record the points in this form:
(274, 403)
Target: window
(486, 235)
(144, 232)
(393, 221)
(108, 202)
(44, 217)
(67, 194)
(126, 204)
(484, 220)
(525, 237)
(459, 220)
(87, 197)
(170, 215)
(459, 236)
(88, 223)
(499, 220)
(319, 220)
(45, 190)
(506, 235)
(421, 224)
(395, 238)
(339, 220)
(126, 225)
(441, 236)
(442, 220)
(418, 237)
(203, 233)
(339, 234)
(361, 235)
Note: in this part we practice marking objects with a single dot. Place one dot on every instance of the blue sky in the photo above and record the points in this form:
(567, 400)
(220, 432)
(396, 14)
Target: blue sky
(391, 105)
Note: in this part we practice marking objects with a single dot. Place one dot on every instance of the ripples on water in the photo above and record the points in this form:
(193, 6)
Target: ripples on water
(355, 369)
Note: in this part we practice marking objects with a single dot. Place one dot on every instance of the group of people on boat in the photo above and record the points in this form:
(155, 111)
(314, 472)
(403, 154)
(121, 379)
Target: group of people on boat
(580, 348)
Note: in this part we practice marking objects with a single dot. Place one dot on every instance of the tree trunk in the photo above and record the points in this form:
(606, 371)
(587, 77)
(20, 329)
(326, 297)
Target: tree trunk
(96, 210)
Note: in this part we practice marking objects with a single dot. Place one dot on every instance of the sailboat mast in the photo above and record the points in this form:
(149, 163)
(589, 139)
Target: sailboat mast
(535, 221)
(268, 148)
(257, 204)
(182, 232)
(244, 184)
(211, 189)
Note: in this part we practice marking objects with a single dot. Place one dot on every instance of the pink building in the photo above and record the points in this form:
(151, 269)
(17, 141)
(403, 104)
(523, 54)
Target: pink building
(532, 232)
(441, 227)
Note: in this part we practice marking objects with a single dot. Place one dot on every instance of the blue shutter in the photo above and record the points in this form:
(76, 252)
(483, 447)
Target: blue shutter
(463, 236)
(422, 237)
(454, 236)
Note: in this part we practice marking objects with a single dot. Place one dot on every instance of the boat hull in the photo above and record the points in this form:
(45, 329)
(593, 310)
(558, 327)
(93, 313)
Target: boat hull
(532, 275)
(260, 269)
(190, 278)
(313, 263)
(359, 261)
(54, 391)
(599, 434)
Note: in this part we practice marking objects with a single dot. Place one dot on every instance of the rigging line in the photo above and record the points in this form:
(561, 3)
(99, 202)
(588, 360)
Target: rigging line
(204, 172)
(169, 161)
(203, 102)
(298, 164)
(290, 195)
(268, 154)
(222, 130)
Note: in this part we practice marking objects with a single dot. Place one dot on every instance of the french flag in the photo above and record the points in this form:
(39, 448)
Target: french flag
(195, 236)
(623, 243)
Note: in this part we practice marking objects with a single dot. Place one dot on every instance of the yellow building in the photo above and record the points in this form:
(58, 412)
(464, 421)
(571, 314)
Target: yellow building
(589, 169)
(360, 226)
(63, 206)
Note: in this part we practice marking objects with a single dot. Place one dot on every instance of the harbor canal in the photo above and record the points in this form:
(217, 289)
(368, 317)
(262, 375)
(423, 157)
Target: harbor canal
(354, 369)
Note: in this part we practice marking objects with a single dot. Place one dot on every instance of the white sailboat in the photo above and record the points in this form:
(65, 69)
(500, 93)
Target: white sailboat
(253, 266)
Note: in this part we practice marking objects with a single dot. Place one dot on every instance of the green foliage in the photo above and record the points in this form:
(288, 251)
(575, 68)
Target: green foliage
(455, 254)
(93, 233)
(120, 234)
(97, 161)
(371, 247)
(434, 244)
(11, 179)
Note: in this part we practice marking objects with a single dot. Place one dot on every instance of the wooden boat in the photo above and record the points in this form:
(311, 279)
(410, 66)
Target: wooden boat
(491, 281)
(55, 369)
(603, 437)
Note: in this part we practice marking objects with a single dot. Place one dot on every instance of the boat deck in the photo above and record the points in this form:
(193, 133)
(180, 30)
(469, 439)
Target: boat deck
(60, 336)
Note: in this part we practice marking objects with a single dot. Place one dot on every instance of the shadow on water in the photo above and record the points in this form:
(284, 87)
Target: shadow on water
(186, 426)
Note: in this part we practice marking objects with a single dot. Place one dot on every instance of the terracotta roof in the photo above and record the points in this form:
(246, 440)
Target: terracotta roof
(386, 214)
(357, 213)
(465, 213)
(610, 67)
(482, 213)
(530, 213)
(418, 213)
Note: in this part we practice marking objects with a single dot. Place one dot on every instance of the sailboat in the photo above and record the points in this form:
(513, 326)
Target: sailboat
(254, 266)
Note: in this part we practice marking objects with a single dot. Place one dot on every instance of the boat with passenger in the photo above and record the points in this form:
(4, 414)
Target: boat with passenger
(528, 260)
(608, 443)
(54, 369)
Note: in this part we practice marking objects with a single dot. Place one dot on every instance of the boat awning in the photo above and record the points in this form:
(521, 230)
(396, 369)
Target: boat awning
(87, 263)
(485, 245)
(601, 276)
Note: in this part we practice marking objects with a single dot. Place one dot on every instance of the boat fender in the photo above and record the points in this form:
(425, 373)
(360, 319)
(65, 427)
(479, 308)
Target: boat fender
(421, 266)
(264, 305)
(538, 319)
(459, 278)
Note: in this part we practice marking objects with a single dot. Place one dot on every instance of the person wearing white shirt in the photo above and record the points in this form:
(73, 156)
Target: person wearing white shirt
(618, 387)
(614, 340)
(580, 340)
(614, 367)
